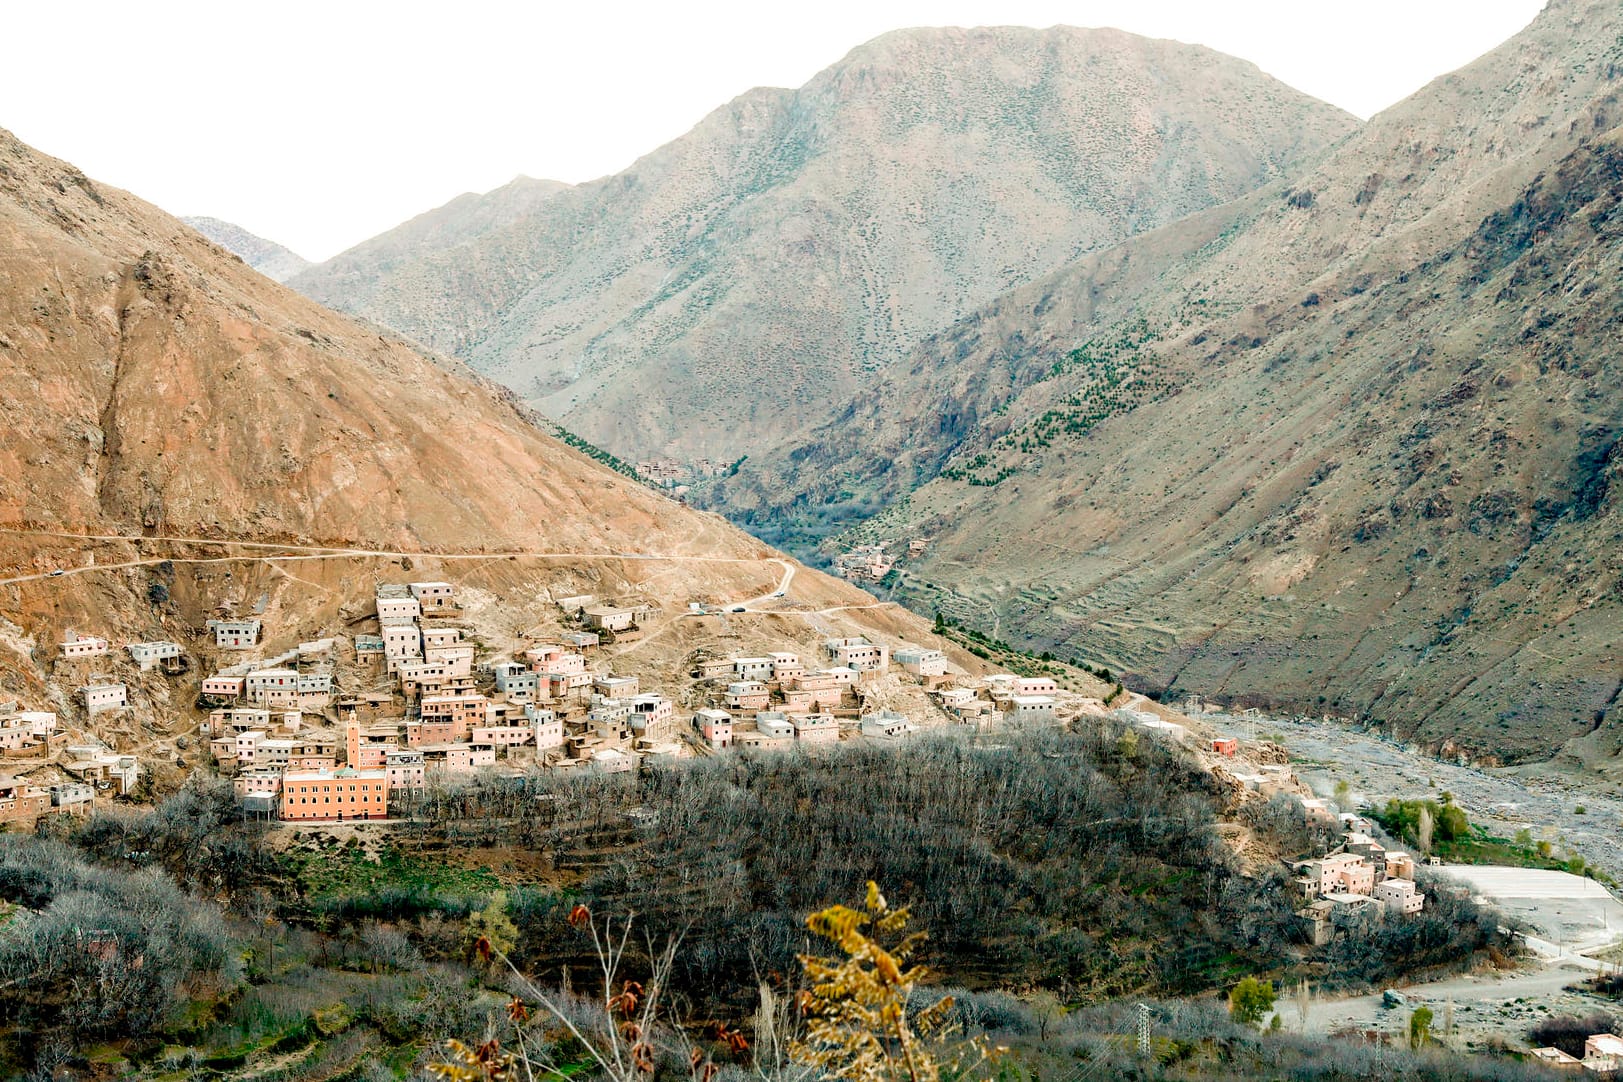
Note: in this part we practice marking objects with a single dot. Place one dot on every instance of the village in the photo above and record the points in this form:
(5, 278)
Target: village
(423, 702)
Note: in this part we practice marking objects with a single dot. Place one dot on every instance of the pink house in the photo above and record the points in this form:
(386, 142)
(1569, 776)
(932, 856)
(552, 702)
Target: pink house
(716, 726)
(76, 646)
(1226, 746)
(748, 695)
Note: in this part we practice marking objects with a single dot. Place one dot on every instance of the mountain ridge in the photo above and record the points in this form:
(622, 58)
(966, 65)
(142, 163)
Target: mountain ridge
(796, 241)
(274, 261)
(1142, 409)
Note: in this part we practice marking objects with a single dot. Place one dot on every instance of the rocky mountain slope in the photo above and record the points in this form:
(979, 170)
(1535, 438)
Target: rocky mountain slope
(1346, 443)
(265, 256)
(182, 437)
(729, 288)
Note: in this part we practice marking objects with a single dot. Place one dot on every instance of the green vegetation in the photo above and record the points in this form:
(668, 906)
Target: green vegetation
(1441, 827)
(1420, 1026)
(974, 472)
(1250, 1001)
(593, 451)
(1020, 662)
(344, 880)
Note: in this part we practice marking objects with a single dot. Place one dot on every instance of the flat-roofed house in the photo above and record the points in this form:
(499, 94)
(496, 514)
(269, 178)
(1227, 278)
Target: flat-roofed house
(99, 697)
(22, 801)
(270, 687)
(1034, 708)
(401, 642)
(615, 687)
(717, 668)
(922, 662)
(75, 645)
(1399, 896)
(319, 796)
(518, 684)
(816, 728)
(752, 668)
(235, 634)
(716, 726)
(548, 728)
(457, 657)
(748, 695)
(858, 654)
(149, 655)
(653, 717)
(774, 725)
(403, 768)
(222, 688)
(398, 610)
(462, 711)
(434, 596)
(886, 724)
(609, 618)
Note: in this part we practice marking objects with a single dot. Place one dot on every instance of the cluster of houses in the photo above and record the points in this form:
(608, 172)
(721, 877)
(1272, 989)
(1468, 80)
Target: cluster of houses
(670, 474)
(1360, 875)
(865, 562)
(32, 738)
(1603, 1054)
(301, 751)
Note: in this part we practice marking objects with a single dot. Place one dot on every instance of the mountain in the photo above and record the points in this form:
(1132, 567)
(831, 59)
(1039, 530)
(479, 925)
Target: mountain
(265, 256)
(1346, 444)
(182, 437)
(732, 286)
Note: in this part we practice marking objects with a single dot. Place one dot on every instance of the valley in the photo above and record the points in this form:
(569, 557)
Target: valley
(1033, 553)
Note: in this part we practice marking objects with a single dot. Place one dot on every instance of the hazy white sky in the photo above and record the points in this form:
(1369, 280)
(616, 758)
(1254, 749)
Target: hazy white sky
(319, 123)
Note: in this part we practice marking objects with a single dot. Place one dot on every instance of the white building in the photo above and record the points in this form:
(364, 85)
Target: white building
(398, 610)
(858, 654)
(752, 668)
(921, 662)
(99, 697)
(1035, 708)
(149, 654)
(235, 634)
(887, 724)
(774, 726)
(75, 645)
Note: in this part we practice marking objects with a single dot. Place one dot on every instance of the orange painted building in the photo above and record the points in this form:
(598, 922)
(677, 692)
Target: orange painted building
(316, 795)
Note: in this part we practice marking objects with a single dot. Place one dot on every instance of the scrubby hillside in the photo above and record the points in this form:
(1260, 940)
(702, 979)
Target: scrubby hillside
(730, 287)
(1346, 443)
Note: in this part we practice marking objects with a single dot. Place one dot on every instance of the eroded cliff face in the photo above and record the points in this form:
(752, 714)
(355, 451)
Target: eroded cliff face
(726, 290)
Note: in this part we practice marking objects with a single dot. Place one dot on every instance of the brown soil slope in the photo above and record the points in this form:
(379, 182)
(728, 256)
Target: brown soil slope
(159, 400)
(728, 288)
